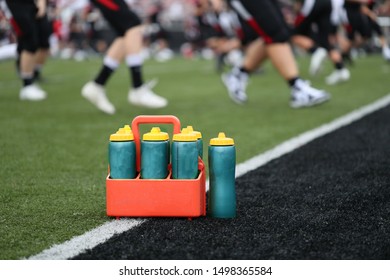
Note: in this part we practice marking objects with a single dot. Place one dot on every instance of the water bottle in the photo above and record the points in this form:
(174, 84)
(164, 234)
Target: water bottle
(122, 155)
(154, 154)
(184, 155)
(222, 166)
(199, 139)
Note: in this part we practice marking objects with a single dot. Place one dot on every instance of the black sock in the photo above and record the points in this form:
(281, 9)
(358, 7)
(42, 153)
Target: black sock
(220, 62)
(312, 49)
(339, 65)
(242, 69)
(103, 75)
(136, 76)
(292, 81)
(17, 64)
(27, 81)
(37, 74)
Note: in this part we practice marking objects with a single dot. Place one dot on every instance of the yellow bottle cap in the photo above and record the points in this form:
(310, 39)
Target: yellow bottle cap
(155, 134)
(221, 140)
(185, 136)
(123, 134)
(198, 133)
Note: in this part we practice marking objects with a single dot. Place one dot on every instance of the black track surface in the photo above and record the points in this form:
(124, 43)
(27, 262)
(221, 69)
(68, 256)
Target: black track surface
(327, 200)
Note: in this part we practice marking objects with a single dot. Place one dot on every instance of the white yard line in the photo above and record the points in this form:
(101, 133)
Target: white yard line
(87, 241)
(102, 233)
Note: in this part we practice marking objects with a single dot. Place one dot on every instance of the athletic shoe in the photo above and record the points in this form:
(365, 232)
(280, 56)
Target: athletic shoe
(95, 94)
(236, 83)
(316, 61)
(338, 76)
(303, 95)
(386, 53)
(145, 97)
(32, 93)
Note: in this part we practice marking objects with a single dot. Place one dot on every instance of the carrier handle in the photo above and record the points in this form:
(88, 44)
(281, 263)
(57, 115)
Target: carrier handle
(149, 119)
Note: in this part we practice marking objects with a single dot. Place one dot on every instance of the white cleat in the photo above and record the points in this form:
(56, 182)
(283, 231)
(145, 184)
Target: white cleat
(338, 76)
(145, 97)
(303, 95)
(386, 53)
(95, 94)
(32, 93)
(236, 83)
(316, 61)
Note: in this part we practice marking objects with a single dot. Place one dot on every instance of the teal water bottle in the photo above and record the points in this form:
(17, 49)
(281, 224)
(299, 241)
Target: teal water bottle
(199, 139)
(222, 168)
(184, 155)
(154, 154)
(121, 154)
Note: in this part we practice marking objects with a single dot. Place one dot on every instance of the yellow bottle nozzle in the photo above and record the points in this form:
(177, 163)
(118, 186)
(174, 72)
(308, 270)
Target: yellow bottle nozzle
(197, 133)
(155, 134)
(185, 136)
(127, 127)
(221, 140)
(123, 134)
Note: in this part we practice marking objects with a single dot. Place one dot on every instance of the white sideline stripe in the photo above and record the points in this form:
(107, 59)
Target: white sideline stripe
(87, 241)
(92, 238)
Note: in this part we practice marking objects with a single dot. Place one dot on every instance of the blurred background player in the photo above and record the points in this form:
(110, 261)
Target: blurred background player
(317, 14)
(266, 21)
(357, 27)
(27, 15)
(156, 37)
(222, 37)
(128, 45)
(43, 52)
(7, 39)
(369, 10)
(203, 27)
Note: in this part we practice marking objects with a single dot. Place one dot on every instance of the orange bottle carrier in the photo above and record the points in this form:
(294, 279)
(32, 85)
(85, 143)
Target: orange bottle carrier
(156, 197)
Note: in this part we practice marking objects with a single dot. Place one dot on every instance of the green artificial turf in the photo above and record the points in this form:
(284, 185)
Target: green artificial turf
(53, 154)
